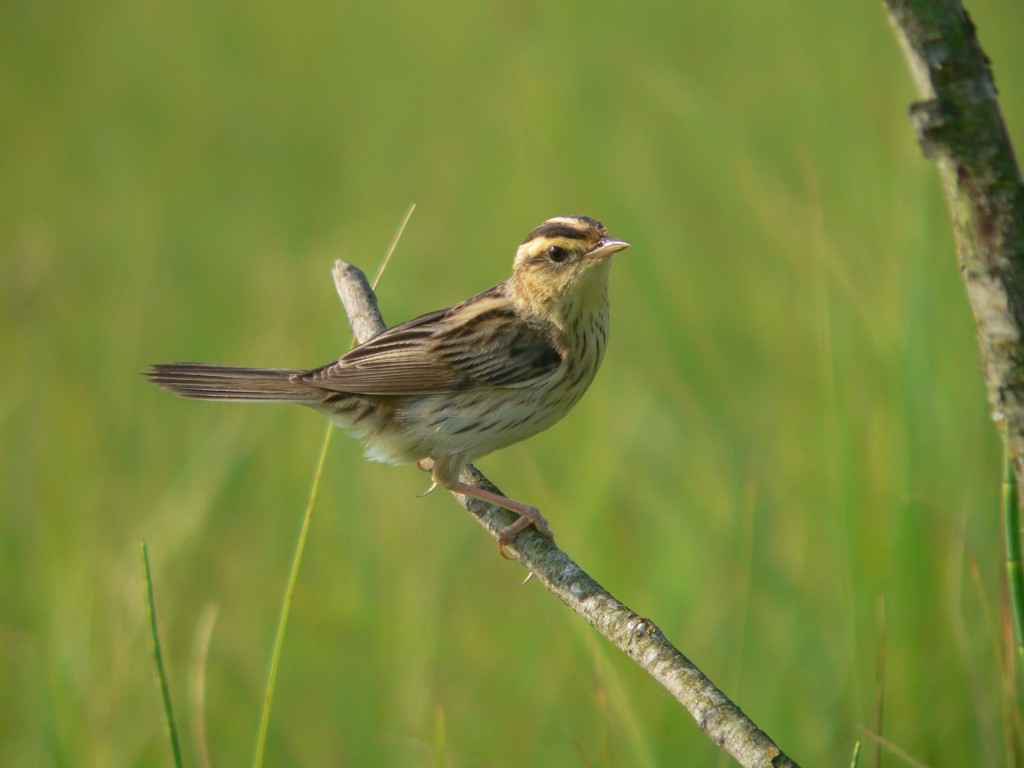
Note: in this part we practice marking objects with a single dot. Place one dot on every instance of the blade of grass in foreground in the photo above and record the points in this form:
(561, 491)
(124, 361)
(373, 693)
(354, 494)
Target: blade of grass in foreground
(300, 546)
(286, 606)
(165, 691)
(1011, 535)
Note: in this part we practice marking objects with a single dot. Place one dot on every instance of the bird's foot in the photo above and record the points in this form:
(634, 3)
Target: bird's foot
(527, 517)
(427, 465)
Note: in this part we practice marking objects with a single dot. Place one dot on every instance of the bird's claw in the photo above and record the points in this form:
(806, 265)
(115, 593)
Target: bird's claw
(531, 516)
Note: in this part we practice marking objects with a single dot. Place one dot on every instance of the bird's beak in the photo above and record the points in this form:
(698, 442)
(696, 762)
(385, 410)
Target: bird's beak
(606, 246)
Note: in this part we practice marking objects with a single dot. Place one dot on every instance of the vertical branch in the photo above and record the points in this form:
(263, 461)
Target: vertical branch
(960, 126)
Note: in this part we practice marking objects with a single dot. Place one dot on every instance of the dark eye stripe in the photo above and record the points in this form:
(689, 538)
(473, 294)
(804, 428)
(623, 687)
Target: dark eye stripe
(553, 229)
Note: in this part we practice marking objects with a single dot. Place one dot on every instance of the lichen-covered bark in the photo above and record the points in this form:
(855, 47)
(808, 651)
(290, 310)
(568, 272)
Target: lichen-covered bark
(959, 125)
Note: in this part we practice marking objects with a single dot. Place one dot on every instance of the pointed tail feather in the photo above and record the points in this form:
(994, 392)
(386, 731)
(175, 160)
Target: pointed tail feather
(224, 382)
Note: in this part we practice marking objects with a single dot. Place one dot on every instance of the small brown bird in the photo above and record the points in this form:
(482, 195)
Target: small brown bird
(453, 385)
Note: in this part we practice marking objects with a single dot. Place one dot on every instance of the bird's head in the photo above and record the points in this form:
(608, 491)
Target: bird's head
(564, 262)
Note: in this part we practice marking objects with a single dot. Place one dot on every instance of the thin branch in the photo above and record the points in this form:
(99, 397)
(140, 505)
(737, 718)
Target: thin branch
(359, 300)
(960, 126)
(633, 634)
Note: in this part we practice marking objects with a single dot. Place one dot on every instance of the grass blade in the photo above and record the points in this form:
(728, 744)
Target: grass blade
(1014, 575)
(286, 606)
(161, 673)
(393, 245)
(275, 659)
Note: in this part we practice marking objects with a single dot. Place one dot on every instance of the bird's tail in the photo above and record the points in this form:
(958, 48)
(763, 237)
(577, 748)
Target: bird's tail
(224, 382)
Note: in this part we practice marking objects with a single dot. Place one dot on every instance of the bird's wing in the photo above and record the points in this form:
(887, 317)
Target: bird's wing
(480, 343)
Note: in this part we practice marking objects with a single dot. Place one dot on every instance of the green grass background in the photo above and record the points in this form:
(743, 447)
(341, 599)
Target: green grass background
(789, 438)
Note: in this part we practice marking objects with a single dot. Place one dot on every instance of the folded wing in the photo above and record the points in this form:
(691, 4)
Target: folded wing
(478, 344)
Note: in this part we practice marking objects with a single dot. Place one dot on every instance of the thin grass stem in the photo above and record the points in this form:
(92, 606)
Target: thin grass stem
(286, 606)
(200, 653)
(1014, 572)
(161, 673)
(393, 245)
(275, 659)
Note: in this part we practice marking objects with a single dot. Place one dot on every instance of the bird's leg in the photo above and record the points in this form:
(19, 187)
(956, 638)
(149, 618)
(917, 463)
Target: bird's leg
(527, 515)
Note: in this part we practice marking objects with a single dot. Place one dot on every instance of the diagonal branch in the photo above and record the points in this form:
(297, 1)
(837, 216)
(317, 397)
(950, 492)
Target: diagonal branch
(636, 636)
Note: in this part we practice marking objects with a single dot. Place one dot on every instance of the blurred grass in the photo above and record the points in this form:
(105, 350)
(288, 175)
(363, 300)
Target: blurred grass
(790, 421)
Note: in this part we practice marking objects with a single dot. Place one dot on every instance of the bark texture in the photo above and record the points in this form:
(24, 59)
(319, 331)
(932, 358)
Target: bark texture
(636, 636)
(960, 127)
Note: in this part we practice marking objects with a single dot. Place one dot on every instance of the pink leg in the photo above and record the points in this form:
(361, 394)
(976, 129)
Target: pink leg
(527, 515)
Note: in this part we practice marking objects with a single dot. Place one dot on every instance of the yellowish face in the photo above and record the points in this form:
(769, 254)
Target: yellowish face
(556, 255)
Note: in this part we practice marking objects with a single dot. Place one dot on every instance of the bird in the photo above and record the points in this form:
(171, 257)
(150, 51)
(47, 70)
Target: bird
(451, 386)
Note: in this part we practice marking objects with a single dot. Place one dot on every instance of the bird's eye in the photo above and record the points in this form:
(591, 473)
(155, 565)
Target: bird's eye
(557, 254)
